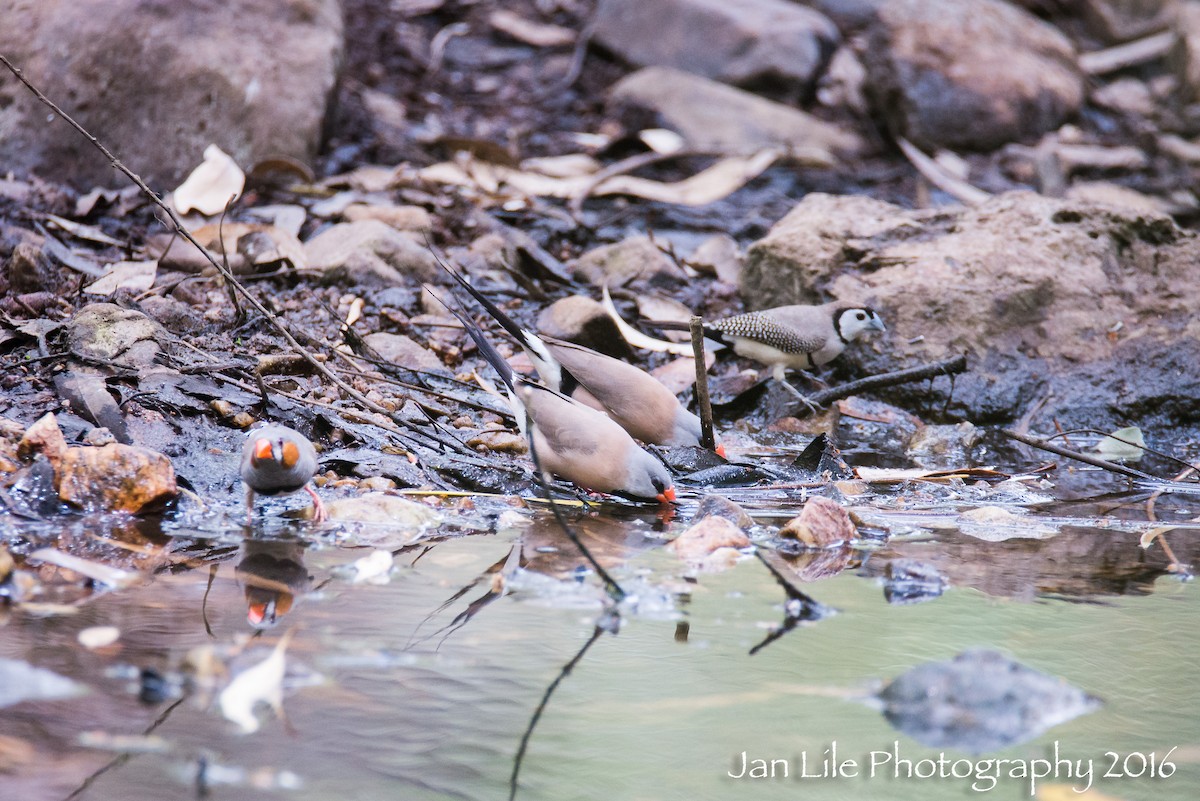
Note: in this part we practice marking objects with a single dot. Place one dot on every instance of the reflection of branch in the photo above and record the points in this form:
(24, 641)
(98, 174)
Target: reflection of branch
(121, 759)
(800, 606)
(932, 370)
(601, 627)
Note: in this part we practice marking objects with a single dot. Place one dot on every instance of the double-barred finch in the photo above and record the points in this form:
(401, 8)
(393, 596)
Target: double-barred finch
(634, 399)
(797, 337)
(575, 441)
(277, 460)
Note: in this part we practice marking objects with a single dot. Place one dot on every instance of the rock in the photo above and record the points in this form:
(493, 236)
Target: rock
(706, 537)
(400, 350)
(403, 218)
(909, 581)
(392, 510)
(26, 270)
(369, 253)
(751, 41)
(158, 82)
(712, 116)
(1185, 57)
(107, 333)
(720, 506)
(583, 321)
(822, 523)
(1121, 20)
(174, 315)
(980, 701)
(44, 437)
(1089, 306)
(971, 74)
(498, 442)
(630, 260)
(848, 15)
(942, 447)
(116, 478)
(1104, 193)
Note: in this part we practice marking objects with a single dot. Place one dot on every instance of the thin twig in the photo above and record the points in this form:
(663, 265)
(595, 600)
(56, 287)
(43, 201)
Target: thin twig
(1094, 461)
(946, 367)
(703, 404)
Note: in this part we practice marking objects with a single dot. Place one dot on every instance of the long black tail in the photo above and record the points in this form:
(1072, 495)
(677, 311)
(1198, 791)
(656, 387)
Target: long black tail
(486, 349)
(677, 325)
(506, 322)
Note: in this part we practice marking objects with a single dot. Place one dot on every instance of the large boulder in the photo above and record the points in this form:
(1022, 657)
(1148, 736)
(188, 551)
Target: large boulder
(1087, 309)
(742, 43)
(970, 74)
(158, 81)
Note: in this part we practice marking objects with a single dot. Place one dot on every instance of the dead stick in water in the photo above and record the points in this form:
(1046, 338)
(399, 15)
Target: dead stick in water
(946, 367)
(703, 405)
(1094, 461)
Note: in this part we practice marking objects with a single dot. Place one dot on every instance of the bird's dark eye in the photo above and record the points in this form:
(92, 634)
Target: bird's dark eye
(658, 485)
(861, 315)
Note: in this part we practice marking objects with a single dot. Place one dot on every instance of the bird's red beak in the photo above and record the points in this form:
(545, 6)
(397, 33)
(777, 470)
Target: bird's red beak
(720, 451)
(667, 495)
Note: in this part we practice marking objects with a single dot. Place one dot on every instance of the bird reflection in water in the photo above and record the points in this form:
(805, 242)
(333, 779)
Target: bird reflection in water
(273, 576)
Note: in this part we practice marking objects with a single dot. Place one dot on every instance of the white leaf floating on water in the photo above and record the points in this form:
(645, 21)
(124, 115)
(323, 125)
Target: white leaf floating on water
(1113, 449)
(212, 185)
(261, 683)
(98, 637)
(20, 681)
(374, 568)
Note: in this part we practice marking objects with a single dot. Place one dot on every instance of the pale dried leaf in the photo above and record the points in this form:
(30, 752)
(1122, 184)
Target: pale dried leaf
(662, 140)
(636, 338)
(137, 276)
(537, 34)
(80, 231)
(572, 165)
(1131, 450)
(707, 186)
(212, 185)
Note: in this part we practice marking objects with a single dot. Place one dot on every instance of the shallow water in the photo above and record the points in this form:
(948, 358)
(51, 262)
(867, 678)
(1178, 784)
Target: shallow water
(388, 696)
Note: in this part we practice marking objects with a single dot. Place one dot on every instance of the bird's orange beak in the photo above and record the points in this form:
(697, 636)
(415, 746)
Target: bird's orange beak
(720, 451)
(256, 613)
(262, 449)
(667, 495)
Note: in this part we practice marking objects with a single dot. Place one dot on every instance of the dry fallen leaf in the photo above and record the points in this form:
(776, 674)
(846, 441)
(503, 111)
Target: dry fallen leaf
(134, 275)
(707, 186)
(212, 185)
(537, 34)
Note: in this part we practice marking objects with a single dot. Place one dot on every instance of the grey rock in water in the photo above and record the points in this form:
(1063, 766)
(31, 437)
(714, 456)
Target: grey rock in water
(980, 701)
